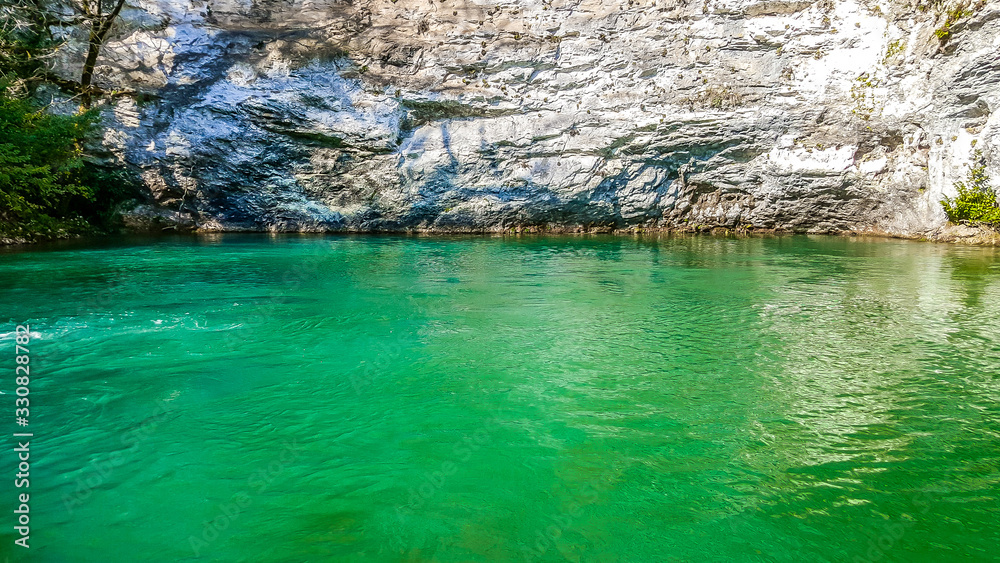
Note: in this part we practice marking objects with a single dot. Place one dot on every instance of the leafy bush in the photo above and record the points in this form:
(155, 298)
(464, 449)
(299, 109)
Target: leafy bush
(976, 200)
(46, 188)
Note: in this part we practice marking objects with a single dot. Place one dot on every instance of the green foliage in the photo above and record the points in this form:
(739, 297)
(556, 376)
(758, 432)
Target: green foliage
(935, 5)
(863, 94)
(963, 9)
(111, 187)
(716, 97)
(25, 42)
(46, 188)
(39, 168)
(39, 152)
(893, 49)
(976, 200)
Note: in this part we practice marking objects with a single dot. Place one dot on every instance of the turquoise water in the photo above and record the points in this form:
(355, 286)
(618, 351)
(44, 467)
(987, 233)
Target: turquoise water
(255, 398)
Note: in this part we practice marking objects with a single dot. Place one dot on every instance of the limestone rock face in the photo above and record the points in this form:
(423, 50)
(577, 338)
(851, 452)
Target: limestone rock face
(458, 115)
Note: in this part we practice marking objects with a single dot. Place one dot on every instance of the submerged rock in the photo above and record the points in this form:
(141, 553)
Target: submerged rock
(325, 115)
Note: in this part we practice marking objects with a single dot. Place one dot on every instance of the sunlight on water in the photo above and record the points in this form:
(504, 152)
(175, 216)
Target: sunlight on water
(254, 398)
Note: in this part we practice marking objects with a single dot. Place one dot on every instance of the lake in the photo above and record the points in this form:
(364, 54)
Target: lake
(587, 398)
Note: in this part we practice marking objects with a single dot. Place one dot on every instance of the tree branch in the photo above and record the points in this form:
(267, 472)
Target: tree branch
(73, 87)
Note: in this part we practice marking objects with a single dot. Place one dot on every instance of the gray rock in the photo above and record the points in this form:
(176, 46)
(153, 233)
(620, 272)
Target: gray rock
(324, 115)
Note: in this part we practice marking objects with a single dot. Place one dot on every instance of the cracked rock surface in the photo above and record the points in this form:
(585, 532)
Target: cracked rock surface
(456, 115)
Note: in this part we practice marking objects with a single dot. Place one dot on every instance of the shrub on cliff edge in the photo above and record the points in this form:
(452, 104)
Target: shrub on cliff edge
(47, 188)
(977, 200)
(40, 166)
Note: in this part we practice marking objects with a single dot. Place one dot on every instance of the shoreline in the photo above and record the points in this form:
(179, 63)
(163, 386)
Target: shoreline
(967, 235)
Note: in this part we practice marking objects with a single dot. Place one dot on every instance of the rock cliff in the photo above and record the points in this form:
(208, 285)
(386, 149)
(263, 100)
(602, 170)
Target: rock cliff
(458, 115)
